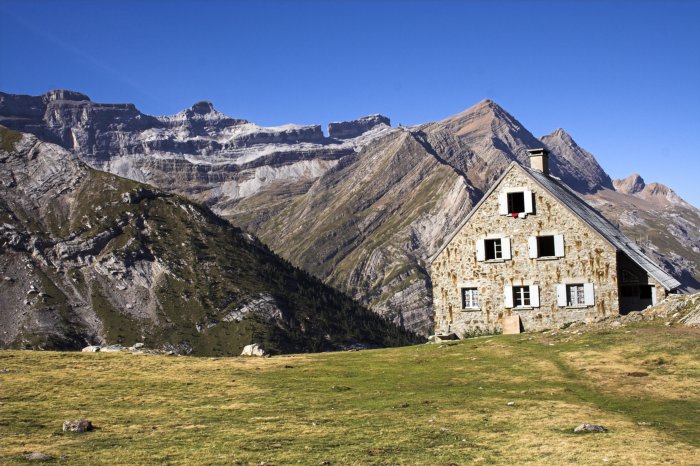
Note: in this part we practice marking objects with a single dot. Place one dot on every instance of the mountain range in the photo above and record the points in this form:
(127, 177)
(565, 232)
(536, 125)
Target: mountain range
(362, 207)
(88, 257)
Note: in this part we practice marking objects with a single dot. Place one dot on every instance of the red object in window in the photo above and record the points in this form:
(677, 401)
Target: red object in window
(514, 215)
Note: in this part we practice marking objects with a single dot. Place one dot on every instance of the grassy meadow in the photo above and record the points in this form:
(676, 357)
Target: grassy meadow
(438, 404)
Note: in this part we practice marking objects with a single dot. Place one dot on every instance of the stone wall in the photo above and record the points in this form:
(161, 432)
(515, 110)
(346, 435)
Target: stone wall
(588, 258)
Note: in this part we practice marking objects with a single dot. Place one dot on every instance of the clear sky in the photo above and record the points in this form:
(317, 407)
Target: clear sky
(622, 77)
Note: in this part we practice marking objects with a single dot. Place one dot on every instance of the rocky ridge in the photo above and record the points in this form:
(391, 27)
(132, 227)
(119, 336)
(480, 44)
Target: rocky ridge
(89, 258)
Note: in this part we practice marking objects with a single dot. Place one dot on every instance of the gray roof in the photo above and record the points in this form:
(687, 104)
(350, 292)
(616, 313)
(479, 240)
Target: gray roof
(600, 224)
(591, 217)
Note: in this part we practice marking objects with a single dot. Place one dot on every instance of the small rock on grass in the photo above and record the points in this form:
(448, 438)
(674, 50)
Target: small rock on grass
(77, 425)
(37, 456)
(582, 428)
(510, 403)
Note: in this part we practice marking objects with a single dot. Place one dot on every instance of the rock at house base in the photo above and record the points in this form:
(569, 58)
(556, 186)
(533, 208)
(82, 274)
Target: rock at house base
(443, 337)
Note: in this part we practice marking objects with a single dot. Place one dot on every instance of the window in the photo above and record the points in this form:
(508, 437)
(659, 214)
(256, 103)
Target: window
(493, 249)
(522, 296)
(575, 295)
(470, 298)
(545, 246)
(516, 202)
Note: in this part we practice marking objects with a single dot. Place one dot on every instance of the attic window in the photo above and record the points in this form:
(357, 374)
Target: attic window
(516, 203)
(546, 246)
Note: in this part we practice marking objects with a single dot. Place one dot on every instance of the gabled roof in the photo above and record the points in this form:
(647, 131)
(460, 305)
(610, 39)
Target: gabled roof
(588, 215)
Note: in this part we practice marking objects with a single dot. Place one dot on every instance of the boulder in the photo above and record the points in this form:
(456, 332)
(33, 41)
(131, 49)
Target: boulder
(37, 456)
(91, 349)
(253, 350)
(444, 337)
(583, 428)
(77, 425)
(113, 349)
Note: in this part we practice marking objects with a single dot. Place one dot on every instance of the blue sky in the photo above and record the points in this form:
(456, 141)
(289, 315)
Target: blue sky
(622, 77)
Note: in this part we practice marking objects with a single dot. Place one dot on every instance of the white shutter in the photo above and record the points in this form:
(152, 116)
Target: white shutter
(653, 295)
(534, 296)
(508, 297)
(528, 202)
(559, 245)
(588, 294)
(505, 248)
(532, 247)
(480, 250)
(503, 204)
(561, 295)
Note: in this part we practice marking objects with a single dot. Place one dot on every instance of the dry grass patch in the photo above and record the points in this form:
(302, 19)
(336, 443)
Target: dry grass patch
(429, 404)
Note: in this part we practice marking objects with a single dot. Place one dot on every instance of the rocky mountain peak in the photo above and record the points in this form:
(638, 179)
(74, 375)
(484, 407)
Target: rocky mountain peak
(62, 94)
(201, 113)
(560, 133)
(630, 185)
(202, 108)
(657, 193)
(576, 166)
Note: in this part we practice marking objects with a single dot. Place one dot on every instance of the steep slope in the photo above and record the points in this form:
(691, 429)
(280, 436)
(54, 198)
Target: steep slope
(480, 142)
(88, 257)
(368, 224)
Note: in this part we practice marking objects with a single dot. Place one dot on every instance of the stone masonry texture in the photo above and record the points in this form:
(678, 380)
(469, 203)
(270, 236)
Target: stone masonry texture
(588, 258)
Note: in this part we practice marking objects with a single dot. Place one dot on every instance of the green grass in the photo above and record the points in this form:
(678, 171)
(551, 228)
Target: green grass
(8, 139)
(428, 404)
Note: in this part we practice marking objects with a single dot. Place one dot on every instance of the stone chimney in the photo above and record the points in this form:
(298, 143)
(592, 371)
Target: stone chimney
(539, 160)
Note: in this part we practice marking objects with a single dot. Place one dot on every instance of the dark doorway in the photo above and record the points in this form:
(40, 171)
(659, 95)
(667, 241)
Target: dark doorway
(636, 297)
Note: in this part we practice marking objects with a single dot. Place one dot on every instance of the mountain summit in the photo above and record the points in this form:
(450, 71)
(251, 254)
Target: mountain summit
(574, 165)
(630, 185)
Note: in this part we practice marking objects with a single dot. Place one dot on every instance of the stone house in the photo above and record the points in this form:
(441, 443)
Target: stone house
(533, 255)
